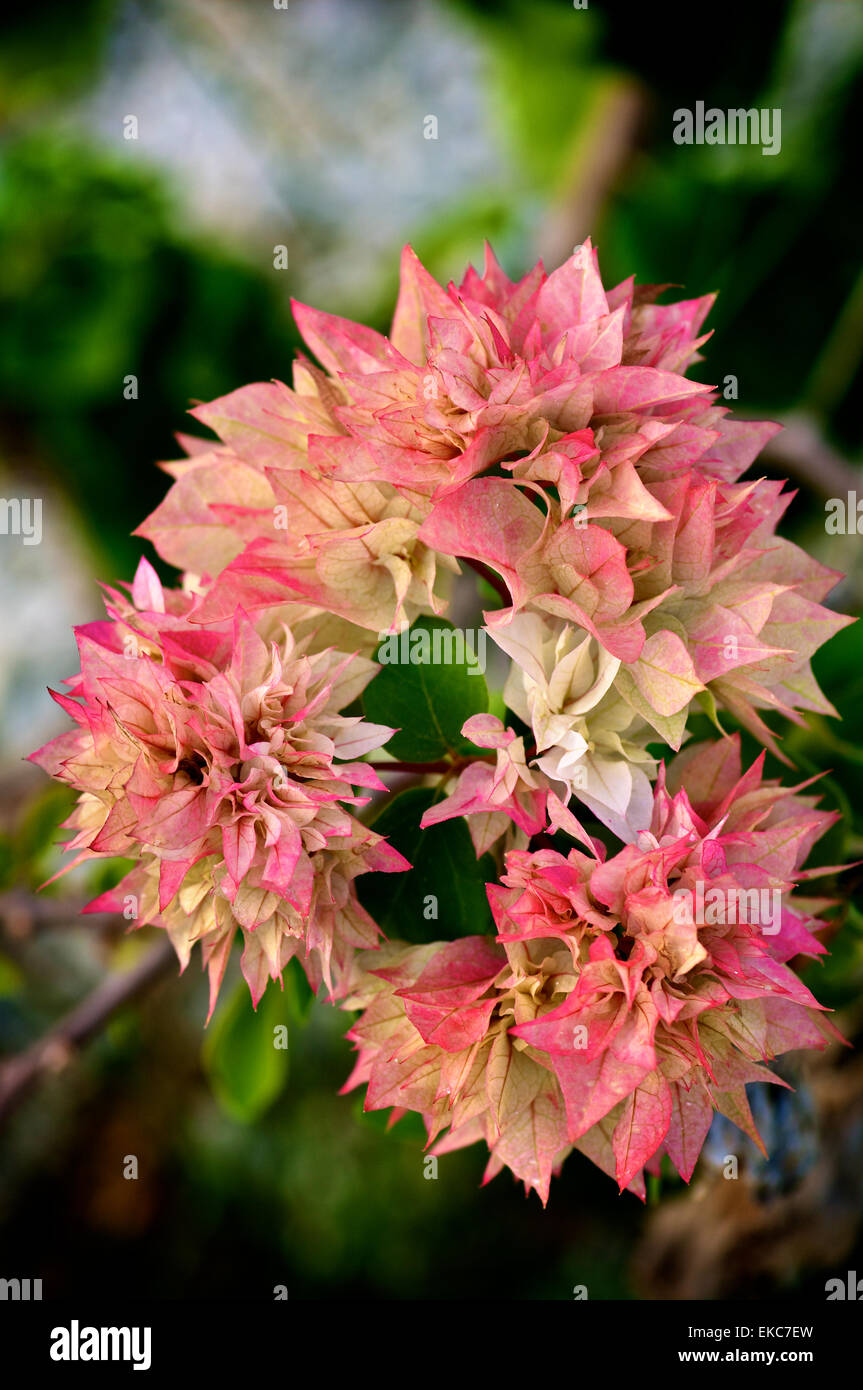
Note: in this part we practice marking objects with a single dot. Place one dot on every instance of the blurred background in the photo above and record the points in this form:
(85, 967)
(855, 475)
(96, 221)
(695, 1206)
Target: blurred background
(307, 127)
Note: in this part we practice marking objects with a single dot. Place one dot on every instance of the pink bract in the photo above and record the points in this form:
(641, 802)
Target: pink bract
(219, 761)
(618, 505)
(545, 432)
(613, 1013)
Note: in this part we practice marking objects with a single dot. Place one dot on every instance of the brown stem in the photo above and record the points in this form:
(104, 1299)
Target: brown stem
(596, 166)
(22, 914)
(52, 1052)
(802, 451)
(442, 765)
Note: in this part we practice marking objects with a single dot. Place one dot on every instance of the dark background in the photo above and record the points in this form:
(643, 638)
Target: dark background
(154, 257)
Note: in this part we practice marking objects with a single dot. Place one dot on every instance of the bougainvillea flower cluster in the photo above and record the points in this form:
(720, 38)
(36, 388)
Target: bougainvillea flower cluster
(219, 761)
(614, 1012)
(545, 432)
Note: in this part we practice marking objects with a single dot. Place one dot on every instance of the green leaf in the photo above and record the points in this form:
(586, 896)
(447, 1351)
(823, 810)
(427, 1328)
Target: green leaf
(424, 695)
(408, 1129)
(707, 701)
(245, 1068)
(32, 844)
(838, 979)
(11, 976)
(446, 877)
(298, 991)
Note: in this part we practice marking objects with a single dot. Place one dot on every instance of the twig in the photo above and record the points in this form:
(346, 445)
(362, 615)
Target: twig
(605, 146)
(802, 451)
(442, 765)
(53, 1051)
(839, 358)
(23, 913)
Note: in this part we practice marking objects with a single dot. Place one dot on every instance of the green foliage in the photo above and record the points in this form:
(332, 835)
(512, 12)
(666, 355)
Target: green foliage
(446, 876)
(97, 283)
(27, 847)
(11, 977)
(836, 748)
(428, 702)
(408, 1129)
(544, 81)
(246, 1071)
(298, 992)
(837, 979)
(35, 67)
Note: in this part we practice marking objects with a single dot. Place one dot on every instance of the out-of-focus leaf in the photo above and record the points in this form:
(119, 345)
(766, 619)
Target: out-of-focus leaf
(245, 1068)
(35, 831)
(298, 992)
(11, 978)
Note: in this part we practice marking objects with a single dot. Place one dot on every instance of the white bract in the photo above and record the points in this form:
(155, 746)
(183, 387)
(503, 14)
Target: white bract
(589, 739)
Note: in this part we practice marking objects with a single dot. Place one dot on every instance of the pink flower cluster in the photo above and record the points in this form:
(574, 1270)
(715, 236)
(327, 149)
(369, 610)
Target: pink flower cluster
(605, 1015)
(544, 430)
(218, 761)
(546, 433)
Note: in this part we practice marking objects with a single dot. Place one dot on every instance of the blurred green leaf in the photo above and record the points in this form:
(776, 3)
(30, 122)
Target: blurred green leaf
(246, 1070)
(837, 980)
(33, 70)
(11, 976)
(298, 992)
(25, 855)
(98, 280)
